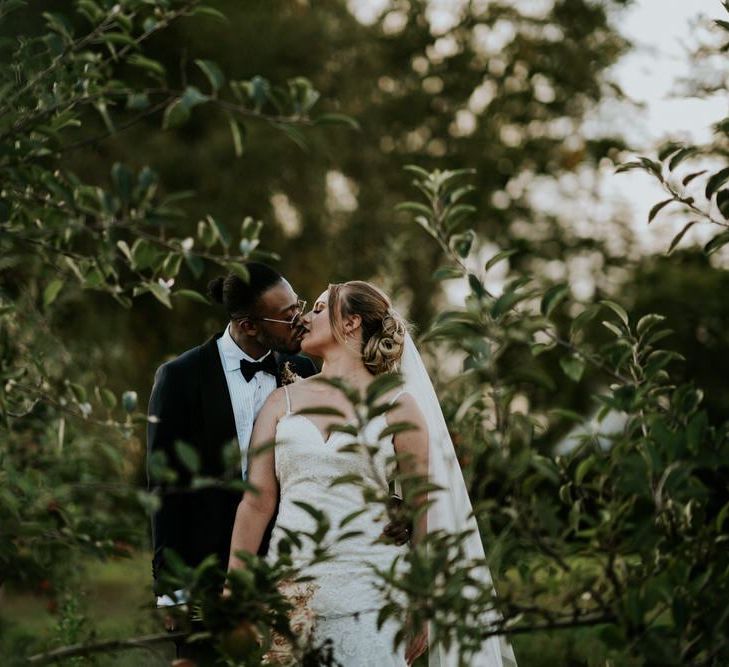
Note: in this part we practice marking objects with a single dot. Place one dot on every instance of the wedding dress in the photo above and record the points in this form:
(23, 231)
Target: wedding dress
(346, 601)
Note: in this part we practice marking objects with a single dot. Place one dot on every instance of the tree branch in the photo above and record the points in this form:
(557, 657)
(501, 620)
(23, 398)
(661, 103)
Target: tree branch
(103, 647)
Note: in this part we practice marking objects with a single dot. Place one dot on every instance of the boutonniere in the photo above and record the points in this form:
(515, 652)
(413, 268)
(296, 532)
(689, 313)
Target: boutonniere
(288, 375)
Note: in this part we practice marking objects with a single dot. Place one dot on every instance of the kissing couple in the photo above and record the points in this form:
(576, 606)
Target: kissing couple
(232, 388)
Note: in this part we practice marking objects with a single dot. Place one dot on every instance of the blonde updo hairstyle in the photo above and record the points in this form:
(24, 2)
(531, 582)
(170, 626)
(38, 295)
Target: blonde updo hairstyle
(383, 329)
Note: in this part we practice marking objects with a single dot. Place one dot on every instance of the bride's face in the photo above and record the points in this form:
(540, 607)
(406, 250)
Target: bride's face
(318, 336)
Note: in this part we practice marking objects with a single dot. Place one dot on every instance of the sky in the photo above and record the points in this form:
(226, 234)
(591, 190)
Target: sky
(663, 33)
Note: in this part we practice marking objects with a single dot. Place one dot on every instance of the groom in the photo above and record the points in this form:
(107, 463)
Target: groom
(210, 396)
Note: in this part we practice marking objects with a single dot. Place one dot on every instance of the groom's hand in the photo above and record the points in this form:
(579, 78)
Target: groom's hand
(398, 530)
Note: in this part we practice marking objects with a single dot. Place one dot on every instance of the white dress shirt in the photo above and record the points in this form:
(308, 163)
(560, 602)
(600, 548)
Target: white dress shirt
(247, 399)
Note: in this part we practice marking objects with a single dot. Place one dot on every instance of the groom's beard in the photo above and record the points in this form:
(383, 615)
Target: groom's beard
(289, 345)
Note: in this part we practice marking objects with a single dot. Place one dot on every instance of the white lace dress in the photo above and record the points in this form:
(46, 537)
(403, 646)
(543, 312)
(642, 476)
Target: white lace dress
(347, 600)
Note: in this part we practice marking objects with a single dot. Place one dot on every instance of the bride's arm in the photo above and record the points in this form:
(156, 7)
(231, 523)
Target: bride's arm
(256, 508)
(411, 447)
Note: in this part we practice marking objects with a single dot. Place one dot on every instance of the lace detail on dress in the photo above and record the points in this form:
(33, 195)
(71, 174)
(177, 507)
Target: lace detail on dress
(347, 599)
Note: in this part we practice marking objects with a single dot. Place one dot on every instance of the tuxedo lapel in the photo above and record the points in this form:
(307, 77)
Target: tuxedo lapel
(217, 411)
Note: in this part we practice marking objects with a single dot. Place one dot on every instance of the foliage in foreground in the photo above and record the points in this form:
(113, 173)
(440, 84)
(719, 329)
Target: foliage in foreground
(626, 531)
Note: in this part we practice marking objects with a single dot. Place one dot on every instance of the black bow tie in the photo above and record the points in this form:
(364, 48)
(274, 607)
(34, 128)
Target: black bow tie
(250, 368)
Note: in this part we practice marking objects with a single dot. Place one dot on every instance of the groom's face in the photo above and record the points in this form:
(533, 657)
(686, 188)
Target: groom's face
(280, 302)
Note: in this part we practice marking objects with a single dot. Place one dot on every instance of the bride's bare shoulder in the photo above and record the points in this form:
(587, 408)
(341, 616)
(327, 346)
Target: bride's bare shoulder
(302, 384)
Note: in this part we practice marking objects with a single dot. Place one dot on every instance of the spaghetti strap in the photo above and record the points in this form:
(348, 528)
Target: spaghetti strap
(288, 399)
(399, 393)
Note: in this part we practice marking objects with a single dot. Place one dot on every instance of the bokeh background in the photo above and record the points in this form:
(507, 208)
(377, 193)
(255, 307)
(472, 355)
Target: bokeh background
(543, 98)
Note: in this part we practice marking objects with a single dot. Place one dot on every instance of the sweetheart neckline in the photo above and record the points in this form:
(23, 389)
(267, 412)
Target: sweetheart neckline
(314, 426)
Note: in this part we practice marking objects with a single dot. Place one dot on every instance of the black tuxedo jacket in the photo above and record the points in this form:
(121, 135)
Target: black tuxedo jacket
(190, 401)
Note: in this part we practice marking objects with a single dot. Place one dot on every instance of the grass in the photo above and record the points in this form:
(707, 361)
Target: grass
(114, 601)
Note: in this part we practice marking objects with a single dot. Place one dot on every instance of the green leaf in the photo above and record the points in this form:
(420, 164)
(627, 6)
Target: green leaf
(679, 157)
(573, 367)
(617, 309)
(295, 134)
(143, 255)
(499, 257)
(719, 241)
(506, 302)
(321, 410)
(474, 282)
(616, 330)
(692, 176)
(722, 201)
(680, 235)
(192, 295)
(657, 208)
(381, 385)
(192, 97)
(415, 207)
(553, 297)
(195, 264)
(205, 10)
(137, 101)
(237, 131)
(462, 243)
(51, 291)
(337, 119)
(584, 318)
(239, 270)
(187, 455)
(161, 293)
(108, 398)
(647, 322)
(716, 181)
(153, 67)
(418, 171)
(123, 180)
(176, 114)
(583, 468)
(447, 273)
(213, 73)
(669, 149)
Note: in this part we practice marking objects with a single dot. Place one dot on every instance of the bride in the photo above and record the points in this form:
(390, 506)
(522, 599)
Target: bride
(358, 334)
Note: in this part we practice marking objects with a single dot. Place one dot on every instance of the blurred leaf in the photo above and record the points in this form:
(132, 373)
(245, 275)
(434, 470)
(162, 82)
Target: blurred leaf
(677, 239)
(719, 241)
(657, 208)
(192, 295)
(682, 155)
(573, 367)
(499, 257)
(553, 297)
(188, 456)
(213, 73)
(237, 131)
(716, 181)
(617, 309)
(337, 119)
(176, 114)
(51, 291)
(161, 293)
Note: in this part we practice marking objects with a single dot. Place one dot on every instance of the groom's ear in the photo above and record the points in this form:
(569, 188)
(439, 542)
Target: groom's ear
(246, 326)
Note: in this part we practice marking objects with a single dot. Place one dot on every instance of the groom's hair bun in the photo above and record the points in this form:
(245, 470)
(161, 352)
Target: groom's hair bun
(239, 297)
(383, 328)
